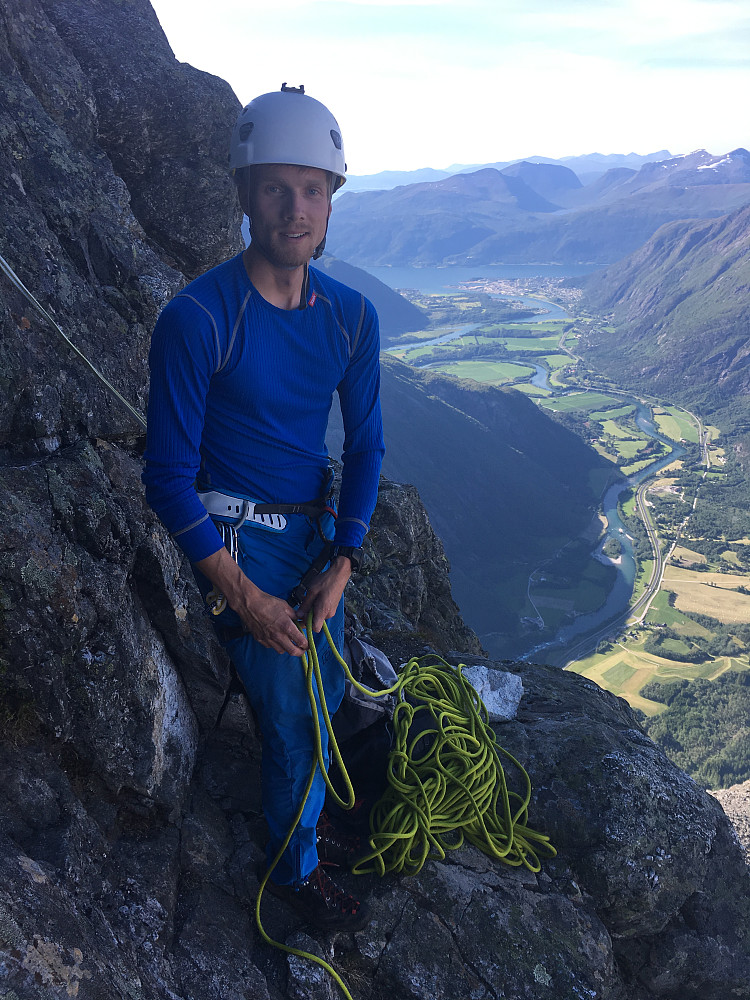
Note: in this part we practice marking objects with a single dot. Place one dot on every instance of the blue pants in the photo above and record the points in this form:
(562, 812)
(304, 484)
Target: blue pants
(275, 684)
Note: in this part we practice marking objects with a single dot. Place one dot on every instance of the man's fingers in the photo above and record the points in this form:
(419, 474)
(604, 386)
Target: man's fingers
(287, 644)
(274, 626)
(290, 641)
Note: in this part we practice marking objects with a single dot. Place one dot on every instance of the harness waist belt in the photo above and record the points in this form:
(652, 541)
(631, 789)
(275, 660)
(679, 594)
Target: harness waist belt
(236, 511)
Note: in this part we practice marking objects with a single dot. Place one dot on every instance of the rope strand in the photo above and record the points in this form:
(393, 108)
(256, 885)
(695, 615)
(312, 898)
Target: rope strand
(11, 275)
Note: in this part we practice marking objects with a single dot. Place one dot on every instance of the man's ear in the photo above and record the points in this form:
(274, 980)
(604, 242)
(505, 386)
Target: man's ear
(242, 180)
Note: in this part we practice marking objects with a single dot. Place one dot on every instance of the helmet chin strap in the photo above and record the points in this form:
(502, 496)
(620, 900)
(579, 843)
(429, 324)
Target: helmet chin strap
(304, 290)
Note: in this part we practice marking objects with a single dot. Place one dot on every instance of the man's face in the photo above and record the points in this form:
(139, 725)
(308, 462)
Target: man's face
(288, 207)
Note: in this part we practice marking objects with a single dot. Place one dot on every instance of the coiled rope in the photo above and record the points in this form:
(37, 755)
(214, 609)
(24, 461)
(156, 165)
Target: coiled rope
(455, 790)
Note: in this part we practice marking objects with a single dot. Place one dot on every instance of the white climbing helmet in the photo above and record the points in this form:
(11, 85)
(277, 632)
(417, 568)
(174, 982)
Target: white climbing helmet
(287, 126)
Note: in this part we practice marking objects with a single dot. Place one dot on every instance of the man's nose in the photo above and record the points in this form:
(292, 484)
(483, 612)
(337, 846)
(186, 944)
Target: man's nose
(294, 205)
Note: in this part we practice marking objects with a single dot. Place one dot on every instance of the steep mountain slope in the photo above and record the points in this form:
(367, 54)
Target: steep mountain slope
(396, 314)
(681, 310)
(482, 218)
(504, 484)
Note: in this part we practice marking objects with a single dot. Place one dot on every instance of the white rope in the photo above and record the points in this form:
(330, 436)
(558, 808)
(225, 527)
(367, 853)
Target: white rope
(11, 275)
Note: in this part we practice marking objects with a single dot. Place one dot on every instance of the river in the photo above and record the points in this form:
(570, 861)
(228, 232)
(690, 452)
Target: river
(447, 279)
(621, 593)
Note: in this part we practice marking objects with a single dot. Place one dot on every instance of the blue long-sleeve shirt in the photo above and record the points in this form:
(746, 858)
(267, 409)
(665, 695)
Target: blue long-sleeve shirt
(240, 396)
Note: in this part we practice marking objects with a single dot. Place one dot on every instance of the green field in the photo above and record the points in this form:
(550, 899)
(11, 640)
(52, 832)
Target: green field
(675, 424)
(555, 361)
(618, 675)
(496, 372)
(628, 448)
(625, 667)
(629, 506)
(662, 611)
(617, 430)
(541, 344)
(532, 390)
(630, 470)
(612, 414)
(585, 401)
(543, 327)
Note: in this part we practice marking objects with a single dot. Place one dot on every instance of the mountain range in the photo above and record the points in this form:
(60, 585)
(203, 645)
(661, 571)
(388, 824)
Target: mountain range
(588, 167)
(535, 212)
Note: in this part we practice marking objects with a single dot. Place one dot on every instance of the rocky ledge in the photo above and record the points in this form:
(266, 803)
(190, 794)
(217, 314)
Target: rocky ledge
(130, 812)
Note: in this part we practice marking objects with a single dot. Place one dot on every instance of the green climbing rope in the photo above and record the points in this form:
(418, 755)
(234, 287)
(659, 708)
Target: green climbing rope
(455, 791)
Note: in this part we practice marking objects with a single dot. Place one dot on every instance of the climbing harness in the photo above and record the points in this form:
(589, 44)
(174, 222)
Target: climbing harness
(454, 790)
(230, 513)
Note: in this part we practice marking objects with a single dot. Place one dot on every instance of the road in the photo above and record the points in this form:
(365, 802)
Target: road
(639, 608)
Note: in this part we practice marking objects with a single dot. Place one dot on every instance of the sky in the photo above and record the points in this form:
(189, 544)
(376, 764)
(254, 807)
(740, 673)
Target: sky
(432, 83)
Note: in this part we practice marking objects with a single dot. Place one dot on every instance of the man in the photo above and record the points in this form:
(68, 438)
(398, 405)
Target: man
(244, 363)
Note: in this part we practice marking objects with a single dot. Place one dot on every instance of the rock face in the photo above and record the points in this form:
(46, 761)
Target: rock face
(130, 821)
(735, 801)
(111, 151)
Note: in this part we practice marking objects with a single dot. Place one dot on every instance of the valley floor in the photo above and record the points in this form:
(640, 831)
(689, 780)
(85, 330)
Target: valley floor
(686, 607)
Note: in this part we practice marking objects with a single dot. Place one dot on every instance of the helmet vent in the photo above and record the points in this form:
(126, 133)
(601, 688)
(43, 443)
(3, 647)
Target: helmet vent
(246, 130)
(336, 138)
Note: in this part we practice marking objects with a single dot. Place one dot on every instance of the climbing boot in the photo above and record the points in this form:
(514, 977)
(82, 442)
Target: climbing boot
(323, 903)
(335, 847)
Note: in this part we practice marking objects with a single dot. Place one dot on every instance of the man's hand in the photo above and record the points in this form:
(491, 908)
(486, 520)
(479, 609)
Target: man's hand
(324, 593)
(273, 623)
(270, 621)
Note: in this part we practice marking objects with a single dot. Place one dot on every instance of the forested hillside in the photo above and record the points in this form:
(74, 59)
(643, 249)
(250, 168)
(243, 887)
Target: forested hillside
(706, 727)
(679, 310)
